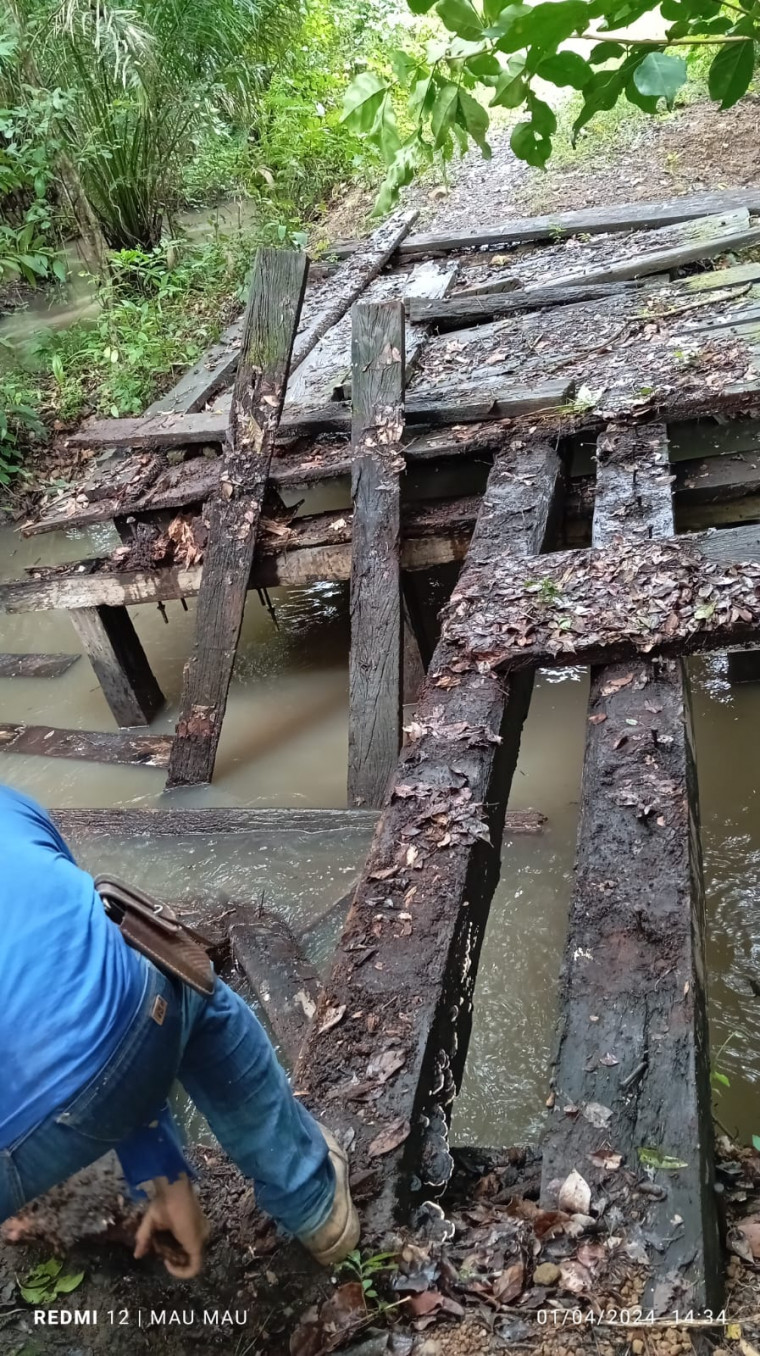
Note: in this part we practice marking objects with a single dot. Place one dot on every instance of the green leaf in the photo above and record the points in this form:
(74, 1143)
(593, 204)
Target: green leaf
(655, 1158)
(660, 76)
(484, 66)
(543, 117)
(502, 26)
(756, 1142)
(602, 91)
(549, 24)
(605, 51)
(460, 17)
(404, 66)
(565, 68)
(385, 131)
(420, 6)
(721, 1078)
(50, 1268)
(731, 72)
(473, 117)
(444, 112)
(65, 1284)
(362, 101)
(59, 269)
(511, 89)
(36, 1294)
(530, 145)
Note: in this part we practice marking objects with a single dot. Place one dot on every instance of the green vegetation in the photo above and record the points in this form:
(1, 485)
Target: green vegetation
(505, 53)
(249, 94)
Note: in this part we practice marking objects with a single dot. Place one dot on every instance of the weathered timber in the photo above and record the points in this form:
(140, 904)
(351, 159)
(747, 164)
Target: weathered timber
(405, 967)
(633, 998)
(322, 372)
(586, 221)
(277, 289)
(375, 693)
(93, 746)
(604, 605)
(346, 285)
(712, 236)
(412, 664)
(212, 822)
(114, 649)
(36, 665)
(285, 983)
(466, 405)
(209, 823)
(453, 313)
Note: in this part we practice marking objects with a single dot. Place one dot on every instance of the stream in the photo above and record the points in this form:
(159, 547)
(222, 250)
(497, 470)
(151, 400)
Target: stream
(284, 743)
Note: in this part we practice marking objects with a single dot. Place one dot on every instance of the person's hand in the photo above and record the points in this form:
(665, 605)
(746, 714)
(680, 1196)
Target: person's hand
(174, 1209)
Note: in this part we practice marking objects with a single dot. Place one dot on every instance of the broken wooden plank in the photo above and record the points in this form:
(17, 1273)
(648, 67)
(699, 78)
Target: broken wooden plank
(36, 665)
(93, 746)
(711, 236)
(375, 693)
(453, 313)
(431, 406)
(284, 982)
(679, 595)
(120, 664)
(586, 221)
(405, 967)
(346, 285)
(633, 1059)
(277, 288)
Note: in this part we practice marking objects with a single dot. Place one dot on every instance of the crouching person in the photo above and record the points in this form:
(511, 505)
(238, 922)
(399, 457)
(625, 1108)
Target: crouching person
(94, 1035)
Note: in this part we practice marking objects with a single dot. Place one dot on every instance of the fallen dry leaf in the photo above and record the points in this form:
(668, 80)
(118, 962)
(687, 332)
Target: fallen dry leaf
(749, 1228)
(606, 1159)
(575, 1195)
(389, 1138)
(575, 1278)
(331, 1018)
(509, 1285)
(615, 684)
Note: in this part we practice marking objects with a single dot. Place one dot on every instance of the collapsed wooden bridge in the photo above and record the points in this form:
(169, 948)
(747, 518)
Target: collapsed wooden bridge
(512, 361)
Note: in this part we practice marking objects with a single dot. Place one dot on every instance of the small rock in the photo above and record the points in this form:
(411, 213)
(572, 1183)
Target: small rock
(637, 1346)
(546, 1274)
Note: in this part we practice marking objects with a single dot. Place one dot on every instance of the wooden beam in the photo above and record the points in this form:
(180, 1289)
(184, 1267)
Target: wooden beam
(675, 596)
(375, 693)
(284, 982)
(702, 239)
(633, 1061)
(120, 664)
(635, 216)
(93, 746)
(233, 514)
(405, 968)
(454, 313)
(36, 665)
(346, 285)
(456, 405)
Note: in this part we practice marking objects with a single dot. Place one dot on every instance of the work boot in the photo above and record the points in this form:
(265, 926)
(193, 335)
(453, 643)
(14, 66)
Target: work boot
(339, 1234)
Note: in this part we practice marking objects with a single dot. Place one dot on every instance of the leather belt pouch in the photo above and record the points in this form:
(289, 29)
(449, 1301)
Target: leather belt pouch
(154, 930)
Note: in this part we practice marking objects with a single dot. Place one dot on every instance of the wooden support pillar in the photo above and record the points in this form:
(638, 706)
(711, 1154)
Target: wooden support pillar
(375, 695)
(401, 987)
(413, 669)
(744, 666)
(113, 647)
(233, 512)
(632, 1079)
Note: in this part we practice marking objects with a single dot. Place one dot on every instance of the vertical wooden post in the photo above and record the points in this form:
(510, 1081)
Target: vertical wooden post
(113, 647)
(375, 696)
(277, 288)
(632, 1078)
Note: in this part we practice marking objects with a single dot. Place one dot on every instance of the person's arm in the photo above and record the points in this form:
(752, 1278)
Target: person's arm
(155, 1168)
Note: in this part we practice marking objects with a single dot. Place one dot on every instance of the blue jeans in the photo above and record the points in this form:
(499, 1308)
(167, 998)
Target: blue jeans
(223, 1058)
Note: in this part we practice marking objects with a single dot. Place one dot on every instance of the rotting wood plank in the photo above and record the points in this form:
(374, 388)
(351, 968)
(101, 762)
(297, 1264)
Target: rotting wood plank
(679, 595)
(113, 647)
(348, 282)
(633, 1059)
(36, 665)
(284, 982)
(401, 985)
(233, 514)
(93, 746)
(375, 693)
(587, 221)
(468, 404)
(209, 823)
(452, 313)
(715, 239)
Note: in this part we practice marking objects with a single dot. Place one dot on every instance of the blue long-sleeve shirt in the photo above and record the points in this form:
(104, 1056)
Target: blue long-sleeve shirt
(70, 988)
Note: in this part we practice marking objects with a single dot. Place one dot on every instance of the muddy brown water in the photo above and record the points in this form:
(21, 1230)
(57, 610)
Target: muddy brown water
(285, 743)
